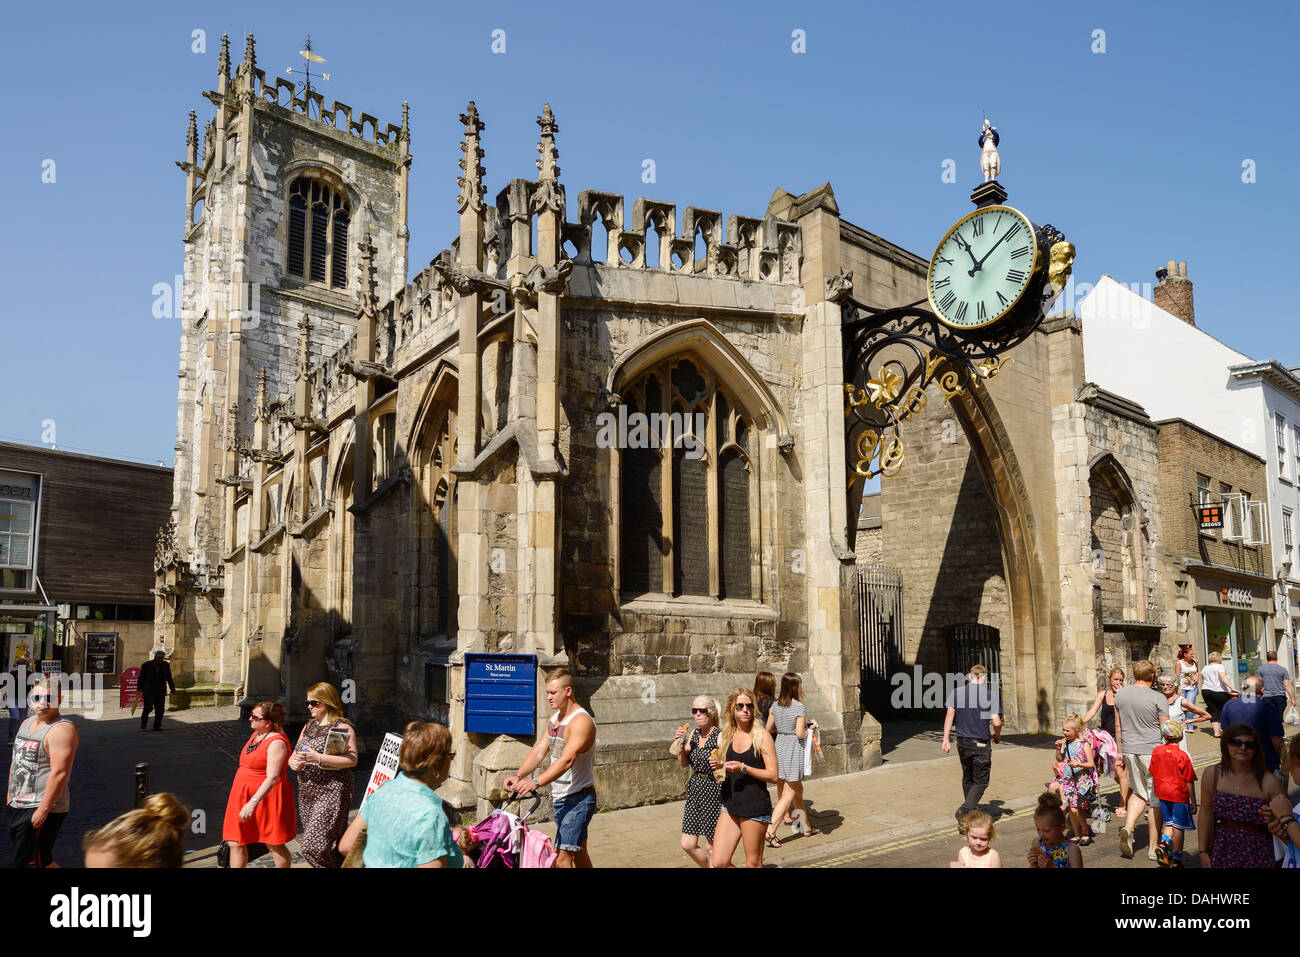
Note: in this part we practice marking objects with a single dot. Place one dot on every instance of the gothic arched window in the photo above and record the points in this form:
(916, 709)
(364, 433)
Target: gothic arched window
(319, 216)
(687, 484)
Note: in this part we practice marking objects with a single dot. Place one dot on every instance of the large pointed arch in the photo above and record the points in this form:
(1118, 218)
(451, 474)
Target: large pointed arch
(708, 342)
(1022, 557)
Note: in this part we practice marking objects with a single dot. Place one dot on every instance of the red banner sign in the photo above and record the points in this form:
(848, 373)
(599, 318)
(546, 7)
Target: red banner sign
(130, 683)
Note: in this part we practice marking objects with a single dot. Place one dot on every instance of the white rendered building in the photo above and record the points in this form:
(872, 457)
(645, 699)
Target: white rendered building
(1153, 353)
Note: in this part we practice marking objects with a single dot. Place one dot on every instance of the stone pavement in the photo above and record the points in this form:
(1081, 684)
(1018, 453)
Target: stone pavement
(194, 757)
(897, 802)
(879, 817)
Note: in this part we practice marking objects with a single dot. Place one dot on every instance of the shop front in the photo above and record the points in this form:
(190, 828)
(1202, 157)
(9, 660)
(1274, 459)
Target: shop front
(1234, 614)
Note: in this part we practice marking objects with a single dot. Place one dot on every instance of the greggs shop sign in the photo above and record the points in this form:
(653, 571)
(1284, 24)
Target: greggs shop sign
(1239, 597)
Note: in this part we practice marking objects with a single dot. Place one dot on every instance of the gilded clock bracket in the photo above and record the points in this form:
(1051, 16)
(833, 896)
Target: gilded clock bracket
(892, 356)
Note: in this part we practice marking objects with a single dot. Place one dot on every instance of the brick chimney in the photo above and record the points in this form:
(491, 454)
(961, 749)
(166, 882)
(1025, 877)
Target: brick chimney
(1173, 292)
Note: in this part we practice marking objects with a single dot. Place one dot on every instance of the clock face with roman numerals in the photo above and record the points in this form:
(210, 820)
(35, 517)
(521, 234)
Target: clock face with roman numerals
(982, 267)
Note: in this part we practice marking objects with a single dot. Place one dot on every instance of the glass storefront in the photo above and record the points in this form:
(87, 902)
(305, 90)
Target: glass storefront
(1239, 637)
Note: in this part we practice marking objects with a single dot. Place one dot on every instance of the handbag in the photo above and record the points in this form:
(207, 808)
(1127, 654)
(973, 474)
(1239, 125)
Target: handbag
(223, 853)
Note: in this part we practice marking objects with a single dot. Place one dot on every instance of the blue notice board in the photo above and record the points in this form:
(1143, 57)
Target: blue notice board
(501, 694)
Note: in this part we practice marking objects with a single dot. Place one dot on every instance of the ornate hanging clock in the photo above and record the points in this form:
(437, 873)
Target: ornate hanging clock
(982, 268)
(992, 276)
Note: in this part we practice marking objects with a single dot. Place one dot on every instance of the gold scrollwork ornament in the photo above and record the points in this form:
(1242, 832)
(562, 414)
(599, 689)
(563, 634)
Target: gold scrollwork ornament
(868, 449)
(891, 460)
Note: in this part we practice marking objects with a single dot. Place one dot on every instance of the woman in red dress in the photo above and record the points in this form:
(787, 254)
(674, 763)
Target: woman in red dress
(260, 809)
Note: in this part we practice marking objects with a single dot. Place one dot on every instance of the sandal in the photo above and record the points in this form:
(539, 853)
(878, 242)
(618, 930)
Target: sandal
(772, 840)
(1085, 841)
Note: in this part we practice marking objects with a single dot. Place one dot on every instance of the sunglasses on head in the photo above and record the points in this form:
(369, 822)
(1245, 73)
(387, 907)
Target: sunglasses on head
(1246, 743)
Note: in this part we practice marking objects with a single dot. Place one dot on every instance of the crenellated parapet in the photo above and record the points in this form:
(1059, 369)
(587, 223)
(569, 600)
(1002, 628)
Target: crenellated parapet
(761, 250)
(251, 84)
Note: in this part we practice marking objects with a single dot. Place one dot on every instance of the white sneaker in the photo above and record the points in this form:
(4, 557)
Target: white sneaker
(1151, 855)
(1126, 843)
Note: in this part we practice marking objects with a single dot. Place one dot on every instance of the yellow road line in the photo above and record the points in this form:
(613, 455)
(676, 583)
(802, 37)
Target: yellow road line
(906, 842)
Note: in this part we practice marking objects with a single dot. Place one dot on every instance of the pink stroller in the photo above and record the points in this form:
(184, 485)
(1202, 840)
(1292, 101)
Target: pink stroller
(504, 840)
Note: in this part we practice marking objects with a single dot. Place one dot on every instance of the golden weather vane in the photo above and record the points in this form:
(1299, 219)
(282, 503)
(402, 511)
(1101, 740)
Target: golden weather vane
(308, 59)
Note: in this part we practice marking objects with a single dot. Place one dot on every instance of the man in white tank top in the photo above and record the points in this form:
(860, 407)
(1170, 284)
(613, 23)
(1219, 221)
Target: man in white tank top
(37, 799)
(570, 741)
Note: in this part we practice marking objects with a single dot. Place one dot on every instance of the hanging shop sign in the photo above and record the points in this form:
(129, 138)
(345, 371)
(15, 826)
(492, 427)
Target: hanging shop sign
(1209, 515)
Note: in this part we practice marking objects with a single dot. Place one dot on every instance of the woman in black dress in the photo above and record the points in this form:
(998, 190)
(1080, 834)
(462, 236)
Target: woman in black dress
(1105, 703)
(745, 749)
(703, 792)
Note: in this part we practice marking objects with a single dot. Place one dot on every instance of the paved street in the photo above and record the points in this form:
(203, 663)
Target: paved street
(895, 815)
(194, 757)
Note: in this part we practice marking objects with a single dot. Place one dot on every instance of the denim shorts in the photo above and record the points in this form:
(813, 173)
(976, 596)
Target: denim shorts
(573, 813)
(1177, 815)
(762, 819)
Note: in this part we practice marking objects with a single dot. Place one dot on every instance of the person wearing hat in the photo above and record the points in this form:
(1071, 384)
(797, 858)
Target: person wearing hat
(1172, 774)
(155, 681)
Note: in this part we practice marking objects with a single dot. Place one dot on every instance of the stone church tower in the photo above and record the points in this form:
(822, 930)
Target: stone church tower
(376, 477)
(278, 202)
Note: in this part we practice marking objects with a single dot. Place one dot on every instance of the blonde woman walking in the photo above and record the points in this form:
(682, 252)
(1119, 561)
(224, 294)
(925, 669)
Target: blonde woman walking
(324, 758)
(745, 750)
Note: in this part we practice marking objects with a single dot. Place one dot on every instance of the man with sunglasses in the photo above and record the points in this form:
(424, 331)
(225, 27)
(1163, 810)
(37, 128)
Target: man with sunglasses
(44, 749)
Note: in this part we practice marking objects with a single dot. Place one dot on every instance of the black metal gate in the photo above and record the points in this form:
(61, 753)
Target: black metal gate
(880, 629)
(972, 643)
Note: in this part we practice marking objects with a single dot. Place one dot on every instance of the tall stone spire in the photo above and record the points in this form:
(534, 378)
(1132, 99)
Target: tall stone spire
(250, 54)
(471, 182)
(192, 137)
(406, 121)
(223, 58)
(548, 194)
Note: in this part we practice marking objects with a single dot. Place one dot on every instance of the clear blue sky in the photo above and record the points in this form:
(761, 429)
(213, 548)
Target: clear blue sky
(1136, 153)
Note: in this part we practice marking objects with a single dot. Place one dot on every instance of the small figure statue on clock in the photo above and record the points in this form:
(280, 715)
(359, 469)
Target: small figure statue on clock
(990, 162)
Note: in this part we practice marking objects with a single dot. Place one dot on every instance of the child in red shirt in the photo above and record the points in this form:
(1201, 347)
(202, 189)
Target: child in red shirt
(1171, 773)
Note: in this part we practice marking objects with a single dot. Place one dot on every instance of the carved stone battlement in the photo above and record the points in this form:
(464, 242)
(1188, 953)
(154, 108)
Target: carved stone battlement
(762, 250)
(251, 83)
